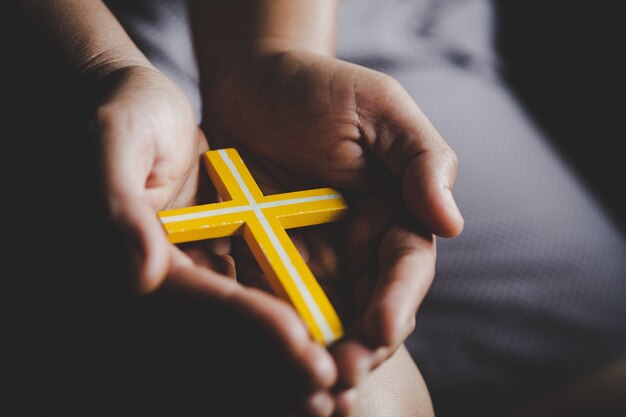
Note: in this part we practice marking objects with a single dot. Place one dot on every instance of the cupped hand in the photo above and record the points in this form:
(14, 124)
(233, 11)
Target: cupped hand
(375, 266)
(340, 124)
(301, 120)
(150, 151)
(148, 145)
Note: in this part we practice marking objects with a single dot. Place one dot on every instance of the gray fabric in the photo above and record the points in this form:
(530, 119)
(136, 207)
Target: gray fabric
(161, 29)
(533, 292)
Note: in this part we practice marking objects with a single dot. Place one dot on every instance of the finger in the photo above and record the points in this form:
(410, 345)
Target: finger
(366, 228)
(143, 237)
(403, 138)
(371, 218)
(319, 404)
(407, 264)
(344, 402)
(427, 187)
(355, 360)
(136, 186)
(213, 254)
(271, 317)
(124, 164)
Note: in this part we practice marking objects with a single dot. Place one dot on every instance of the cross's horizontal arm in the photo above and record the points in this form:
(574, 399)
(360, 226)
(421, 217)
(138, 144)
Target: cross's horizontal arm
(262, 220)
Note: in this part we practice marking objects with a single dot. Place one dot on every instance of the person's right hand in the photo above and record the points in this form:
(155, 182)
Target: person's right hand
(150, 151)
(302, 120)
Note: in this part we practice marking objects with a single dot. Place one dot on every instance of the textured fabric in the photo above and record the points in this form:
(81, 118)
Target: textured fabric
(533, 292)
(161, 29)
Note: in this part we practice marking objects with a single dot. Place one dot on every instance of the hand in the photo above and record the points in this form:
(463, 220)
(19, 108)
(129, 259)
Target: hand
(150, 149)
(375, 267)
(148, 145)
(339, 124)
(300, 120)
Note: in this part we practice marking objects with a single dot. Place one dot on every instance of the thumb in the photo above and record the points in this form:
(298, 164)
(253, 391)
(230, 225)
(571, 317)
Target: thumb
(403, 138)
(146, 243)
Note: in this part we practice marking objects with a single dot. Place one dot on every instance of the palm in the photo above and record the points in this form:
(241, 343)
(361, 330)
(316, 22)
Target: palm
(332, 122)
(150, 150)
(299, 112)
(345, 257)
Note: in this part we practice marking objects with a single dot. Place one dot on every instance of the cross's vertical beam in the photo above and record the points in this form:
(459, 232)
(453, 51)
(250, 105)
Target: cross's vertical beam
(262, 220)
(288, 274)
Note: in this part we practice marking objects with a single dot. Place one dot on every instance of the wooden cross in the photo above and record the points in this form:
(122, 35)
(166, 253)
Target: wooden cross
(262, 220)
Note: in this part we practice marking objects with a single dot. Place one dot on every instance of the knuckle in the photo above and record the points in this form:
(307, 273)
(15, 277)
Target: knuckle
(389, 84)
(451, 155)
(448, 157)
(410, 327)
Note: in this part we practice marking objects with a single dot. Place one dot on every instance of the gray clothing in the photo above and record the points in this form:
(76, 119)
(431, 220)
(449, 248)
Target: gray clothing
(533, 292)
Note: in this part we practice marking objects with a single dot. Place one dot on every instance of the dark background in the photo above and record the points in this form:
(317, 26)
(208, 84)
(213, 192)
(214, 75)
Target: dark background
(64, 317)
(565, 59)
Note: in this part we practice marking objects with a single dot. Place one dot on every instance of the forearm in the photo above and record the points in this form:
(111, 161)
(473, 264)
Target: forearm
(88, 40)
(228, 33)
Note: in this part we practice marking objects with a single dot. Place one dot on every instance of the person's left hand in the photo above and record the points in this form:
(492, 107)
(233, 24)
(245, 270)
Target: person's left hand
(302, 120)
(149, 150)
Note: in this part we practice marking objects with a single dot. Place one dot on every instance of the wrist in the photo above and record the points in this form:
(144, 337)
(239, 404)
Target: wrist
(104, 64)
(262, 50)
(271, 45)
(235, 38)
(232, 72)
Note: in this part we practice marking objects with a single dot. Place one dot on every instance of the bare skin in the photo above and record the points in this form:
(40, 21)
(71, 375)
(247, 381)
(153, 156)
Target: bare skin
(393, 389)
(302, 118)
(150, 147)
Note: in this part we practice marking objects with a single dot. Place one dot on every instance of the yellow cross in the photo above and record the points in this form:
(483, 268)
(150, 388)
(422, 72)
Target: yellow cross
(262, 220)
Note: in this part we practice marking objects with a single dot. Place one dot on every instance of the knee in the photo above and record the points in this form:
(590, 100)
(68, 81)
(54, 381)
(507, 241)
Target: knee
(396, 388)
